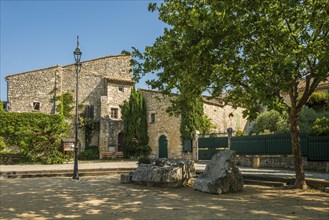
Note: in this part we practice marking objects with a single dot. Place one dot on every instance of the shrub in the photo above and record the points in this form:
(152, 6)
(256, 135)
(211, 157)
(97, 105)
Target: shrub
(1, 106)
(239, 133)
(37, 136)
(321, 126)
(267, 121)
(2, 144)
(307, 118)
(317, 101)
(90, 153)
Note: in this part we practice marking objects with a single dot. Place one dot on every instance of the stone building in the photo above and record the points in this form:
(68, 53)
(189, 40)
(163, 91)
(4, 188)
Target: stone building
(164, 130)
(104, 84)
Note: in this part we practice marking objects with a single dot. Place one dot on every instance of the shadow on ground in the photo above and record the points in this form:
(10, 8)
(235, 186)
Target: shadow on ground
(106, 198)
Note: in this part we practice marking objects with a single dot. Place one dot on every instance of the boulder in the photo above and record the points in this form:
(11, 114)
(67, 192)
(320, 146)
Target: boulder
(164, 172)
(221, 175)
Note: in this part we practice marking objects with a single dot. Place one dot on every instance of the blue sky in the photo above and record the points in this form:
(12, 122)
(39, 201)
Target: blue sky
(39, 34)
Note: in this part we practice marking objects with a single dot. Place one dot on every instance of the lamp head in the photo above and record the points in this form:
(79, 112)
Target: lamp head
(77, 52)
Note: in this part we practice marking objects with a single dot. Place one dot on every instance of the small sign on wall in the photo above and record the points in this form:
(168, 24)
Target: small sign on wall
(68, 144)
(68, 147)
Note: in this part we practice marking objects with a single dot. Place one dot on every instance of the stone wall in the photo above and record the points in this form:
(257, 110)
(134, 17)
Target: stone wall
(224, 117)
(34, 86)
(170, 125)
(163, 125)
(118, 91)
(43, 85)
(279, 162)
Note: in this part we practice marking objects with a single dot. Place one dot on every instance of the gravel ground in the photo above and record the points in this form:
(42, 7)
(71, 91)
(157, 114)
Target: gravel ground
(105, 198)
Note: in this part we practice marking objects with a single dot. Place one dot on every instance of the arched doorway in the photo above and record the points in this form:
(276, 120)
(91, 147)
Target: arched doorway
(163, 147)
(120, 141)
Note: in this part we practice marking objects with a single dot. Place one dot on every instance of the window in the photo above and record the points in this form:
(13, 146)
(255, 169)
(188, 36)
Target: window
(152, 118)
(36, 106)
(114, 113)
(121, 88)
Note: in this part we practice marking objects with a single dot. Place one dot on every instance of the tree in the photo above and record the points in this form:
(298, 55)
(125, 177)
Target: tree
(267, 120)
(1, 106)
(134, 115)
(191, 113)
(257, 52)
(318, 101)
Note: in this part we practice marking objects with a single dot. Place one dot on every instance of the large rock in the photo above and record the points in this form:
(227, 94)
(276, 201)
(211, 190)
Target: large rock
(163, 172)
(221, 175)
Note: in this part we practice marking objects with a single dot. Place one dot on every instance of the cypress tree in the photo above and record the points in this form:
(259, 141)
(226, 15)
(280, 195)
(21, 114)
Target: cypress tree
(134, 114)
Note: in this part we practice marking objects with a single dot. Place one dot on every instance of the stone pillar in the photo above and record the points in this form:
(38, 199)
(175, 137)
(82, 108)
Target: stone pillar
(230, 133)
(255, 161)
(195, 145)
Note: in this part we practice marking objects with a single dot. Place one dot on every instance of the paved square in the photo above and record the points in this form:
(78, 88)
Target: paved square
(106, 198)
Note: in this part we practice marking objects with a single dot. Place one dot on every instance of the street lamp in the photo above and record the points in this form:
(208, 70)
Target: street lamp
(77, 56)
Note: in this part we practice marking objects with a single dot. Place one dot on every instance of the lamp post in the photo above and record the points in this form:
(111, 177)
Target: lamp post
(77, 56)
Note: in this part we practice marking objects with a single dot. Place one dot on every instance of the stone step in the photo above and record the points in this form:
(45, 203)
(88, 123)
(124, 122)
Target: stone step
(315, 183)
(263, 183)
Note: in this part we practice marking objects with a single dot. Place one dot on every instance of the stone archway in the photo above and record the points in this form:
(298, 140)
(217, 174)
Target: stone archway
(163, 147)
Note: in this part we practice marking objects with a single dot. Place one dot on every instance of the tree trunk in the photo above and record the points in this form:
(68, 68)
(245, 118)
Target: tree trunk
(300, 182)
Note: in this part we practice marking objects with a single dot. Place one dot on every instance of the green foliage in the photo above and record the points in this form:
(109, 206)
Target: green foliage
(192, 115)
(206, 43)
(90, 126)
(255, 51)
(66, 104)
(36, 136)
(267, 121)
(318, 101)
(327, 101)
(1, 106)
(321, 126)
(282, 125)
(239, 133)
(125, 52)
(90, 153)
(2, 144)
(308, 116)
(306, 119)
(278, 123)
(134, 115)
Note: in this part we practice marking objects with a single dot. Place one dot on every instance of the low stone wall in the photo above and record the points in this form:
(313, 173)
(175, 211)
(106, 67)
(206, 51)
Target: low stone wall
(287, 162)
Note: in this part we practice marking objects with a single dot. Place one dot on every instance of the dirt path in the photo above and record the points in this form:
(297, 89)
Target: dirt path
(106, 198)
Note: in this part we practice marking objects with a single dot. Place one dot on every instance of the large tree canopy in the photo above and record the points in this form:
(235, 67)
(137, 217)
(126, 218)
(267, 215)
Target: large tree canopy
(257, 52)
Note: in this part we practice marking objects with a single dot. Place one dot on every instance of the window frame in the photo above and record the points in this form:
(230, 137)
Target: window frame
(114, 113)
(121, 88)
(36, 106)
